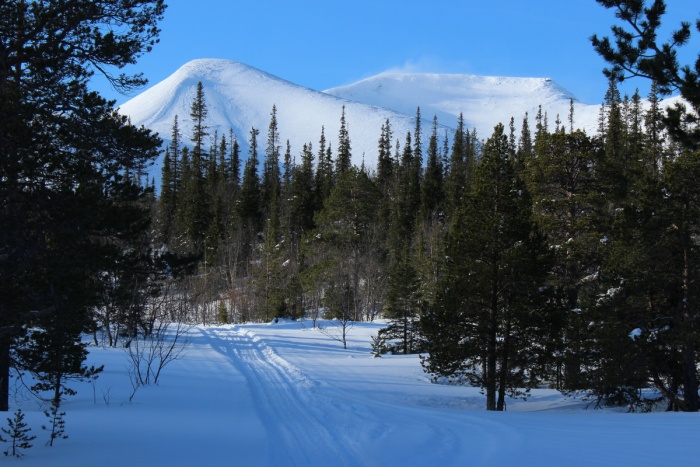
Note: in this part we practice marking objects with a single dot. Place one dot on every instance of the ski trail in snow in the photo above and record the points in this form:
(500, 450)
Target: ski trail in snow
(310, 422)
(284, 402)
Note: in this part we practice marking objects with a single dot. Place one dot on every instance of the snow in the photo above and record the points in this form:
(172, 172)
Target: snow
(484, 101)
(285, 394)
(635, 334)
(240, 97)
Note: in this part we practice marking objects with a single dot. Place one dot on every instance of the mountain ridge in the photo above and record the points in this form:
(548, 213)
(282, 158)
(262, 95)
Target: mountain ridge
(484, 101)
(240, 97)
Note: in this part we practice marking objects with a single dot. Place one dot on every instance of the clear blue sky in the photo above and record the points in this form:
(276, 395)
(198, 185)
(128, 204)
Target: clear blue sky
(323, 44)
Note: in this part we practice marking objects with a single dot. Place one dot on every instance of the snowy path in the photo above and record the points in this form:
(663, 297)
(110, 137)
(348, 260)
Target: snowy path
(284, 394)
(285, 403)
(316, 423)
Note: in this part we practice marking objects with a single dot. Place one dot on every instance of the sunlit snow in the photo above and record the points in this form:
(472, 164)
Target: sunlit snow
(284, 394)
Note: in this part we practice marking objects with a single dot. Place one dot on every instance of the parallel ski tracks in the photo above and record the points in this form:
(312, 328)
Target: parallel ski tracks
(286, 402)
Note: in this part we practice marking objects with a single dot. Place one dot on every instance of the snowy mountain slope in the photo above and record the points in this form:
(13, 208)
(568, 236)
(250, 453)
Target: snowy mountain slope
(483, 100)
(240, 97)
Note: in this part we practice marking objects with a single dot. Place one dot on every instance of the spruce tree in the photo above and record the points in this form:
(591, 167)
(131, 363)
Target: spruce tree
(344, 158)
(456, 178)
(432, 190)
(271, 183)
(385, 162)
(568, 206)
(250, 204)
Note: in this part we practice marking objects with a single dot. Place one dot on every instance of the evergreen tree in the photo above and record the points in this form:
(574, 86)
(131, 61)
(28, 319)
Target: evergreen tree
(564, 184)
(338, 247)
(195, 211)
(403, 307)
(637, 52)
(249, 206)
(64, 157)
(325, 174)
(18, 432)
(385, 162)
(235, 164)
(344, 158)
(167, 200)
(456, 179)
(271, 183)
(432, 191)
(303, 187)
(488, 307)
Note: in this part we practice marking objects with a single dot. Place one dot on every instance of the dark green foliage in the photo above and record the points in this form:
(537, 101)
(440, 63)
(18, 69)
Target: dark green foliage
(271, 181)
(489, 306)
(18, 434)
(341, 246)
(344, 158)
(67, 161)
(432, 189)
(557, 258)
(249, 205)
(637, 52)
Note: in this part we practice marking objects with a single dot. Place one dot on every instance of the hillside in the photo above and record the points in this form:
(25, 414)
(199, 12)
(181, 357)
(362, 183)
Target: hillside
(483, 100)
(241, 97)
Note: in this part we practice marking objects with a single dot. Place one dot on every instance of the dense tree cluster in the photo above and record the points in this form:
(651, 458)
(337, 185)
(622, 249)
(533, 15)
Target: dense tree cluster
(509, 263)
(72, 212)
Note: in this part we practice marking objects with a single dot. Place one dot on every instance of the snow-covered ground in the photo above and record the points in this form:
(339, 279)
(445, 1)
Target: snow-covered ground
(286, 394)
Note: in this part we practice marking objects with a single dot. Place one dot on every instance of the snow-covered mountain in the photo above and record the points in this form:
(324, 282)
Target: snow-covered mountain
(240, 97)
(484, 101)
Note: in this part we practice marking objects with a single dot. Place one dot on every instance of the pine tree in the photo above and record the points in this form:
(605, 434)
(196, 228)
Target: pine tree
(637, 52)
(488, 307)
(53, 259)
(57, 427)
(18, 432)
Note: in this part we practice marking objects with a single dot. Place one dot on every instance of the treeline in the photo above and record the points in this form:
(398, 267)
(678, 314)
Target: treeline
(549, 257)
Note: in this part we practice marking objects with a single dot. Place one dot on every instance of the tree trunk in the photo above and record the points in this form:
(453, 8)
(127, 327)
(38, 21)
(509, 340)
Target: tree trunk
(503, 380)
(4, 373)
(690, 378)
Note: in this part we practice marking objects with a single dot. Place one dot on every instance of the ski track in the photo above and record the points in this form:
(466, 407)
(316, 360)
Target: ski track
(285, 403)
(298, 415)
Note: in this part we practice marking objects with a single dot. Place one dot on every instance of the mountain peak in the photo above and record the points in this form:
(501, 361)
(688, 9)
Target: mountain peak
(484, 101)
(240, 97)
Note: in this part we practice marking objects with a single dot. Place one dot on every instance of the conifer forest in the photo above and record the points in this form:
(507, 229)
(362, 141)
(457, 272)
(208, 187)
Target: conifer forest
(509, 260)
